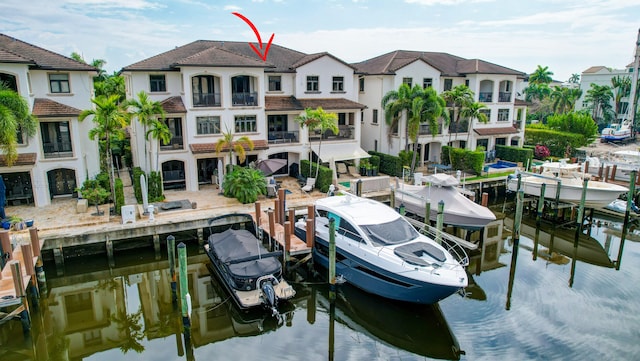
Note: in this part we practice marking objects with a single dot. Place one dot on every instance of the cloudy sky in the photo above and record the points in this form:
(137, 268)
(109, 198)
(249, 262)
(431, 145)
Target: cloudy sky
(568, 36)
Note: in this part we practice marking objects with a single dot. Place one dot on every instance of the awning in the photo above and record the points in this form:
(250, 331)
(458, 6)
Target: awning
(339, 151)
(496, 131)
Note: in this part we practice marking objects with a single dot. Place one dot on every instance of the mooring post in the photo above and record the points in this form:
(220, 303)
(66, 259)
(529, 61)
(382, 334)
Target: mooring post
(109, 246)
(35, 245)
(606, 174)
(516, 243)
(287, 245)
(332, 258)
(171, 253)
(485, 199)
(614, 170)
(600, 171)
(272, 227)
(276, 213)
(156, 246)
(311, 225)
(359, 188)
(392, 198)
(557, 211)
(185, 298)
(440, 221)
(282, 199)
(540, 205)
(427, 212)
(58, 257)
(258, 213)
(7, 250)
(18, 285)
(292, 220)
(625, 225)
(200, 232)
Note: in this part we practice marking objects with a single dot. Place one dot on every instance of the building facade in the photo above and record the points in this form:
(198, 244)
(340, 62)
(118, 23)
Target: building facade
(60, 156)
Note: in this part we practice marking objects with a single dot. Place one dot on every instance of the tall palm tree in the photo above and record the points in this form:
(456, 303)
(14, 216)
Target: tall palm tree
(474, 111)
(14, 117)
(599, 98)
(427, 107)
(396, 103)
(110, 119)
(459, 97)
(233, 145)
(574, 78)
(621, 87)
(564, 99)
(159, 131)
(542, 75)
(318, 119)
(147, 112)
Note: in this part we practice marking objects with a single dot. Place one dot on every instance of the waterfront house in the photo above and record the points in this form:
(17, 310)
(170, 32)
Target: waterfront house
(60, 156)
(493, 85)
(208, 88)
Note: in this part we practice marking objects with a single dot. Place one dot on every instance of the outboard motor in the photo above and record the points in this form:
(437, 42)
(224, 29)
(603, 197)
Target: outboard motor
(269, 295)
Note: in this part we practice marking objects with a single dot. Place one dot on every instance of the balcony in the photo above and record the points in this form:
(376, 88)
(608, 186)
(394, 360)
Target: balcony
(504, 97)
(278, 137)
(461, 127)
(57, 150)
(485, 97)
(426, 130)
(206, 99)
(244, 99)
(346, 132)
(174, 144)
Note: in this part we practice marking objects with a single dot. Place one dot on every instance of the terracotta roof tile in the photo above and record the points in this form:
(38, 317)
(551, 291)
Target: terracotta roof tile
(7, 56)
(23, 159)
(496, 131)
(173, 105)
(48, 108)
(42, 58)
(279, 58)
(200, 148)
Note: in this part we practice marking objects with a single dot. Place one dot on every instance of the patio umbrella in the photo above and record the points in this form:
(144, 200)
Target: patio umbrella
(3, 198)
(270, 166)
(220, 174)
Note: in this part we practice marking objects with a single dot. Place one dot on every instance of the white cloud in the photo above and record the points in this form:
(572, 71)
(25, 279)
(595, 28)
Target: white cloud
(232, 8)
(126, 4)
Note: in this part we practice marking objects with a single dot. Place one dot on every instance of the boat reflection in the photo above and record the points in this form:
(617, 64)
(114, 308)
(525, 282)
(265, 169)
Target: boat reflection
(419, 329)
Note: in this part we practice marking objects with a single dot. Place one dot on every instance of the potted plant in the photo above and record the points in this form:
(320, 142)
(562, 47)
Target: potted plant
(374, 170)
(17, 223)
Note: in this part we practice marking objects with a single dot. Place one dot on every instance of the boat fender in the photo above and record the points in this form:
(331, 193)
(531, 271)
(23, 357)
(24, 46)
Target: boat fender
(188, 298)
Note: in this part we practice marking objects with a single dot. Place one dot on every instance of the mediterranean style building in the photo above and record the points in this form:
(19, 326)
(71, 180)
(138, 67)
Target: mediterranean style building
(601, 75)
(60, 156)
(493, 85)
(212, 88)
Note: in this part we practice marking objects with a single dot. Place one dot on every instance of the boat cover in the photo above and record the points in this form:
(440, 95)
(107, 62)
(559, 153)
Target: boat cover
(241, 251)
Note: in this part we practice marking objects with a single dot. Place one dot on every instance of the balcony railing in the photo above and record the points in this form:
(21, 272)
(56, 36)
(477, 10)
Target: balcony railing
(206, 99)
(247, 99)
(504, 97)
(346, 132)
(57, 150)
(461, 127)
(485, 97)
(175, 143)
(277, 137)
(425, 129)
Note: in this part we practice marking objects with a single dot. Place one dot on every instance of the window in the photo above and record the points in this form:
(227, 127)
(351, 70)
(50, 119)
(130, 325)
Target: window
(20, 137)
(486, 112)
(482, 143)
(175, 128)
(10, 81)
(466, 82)
(427, 83)
(361, 82)
(407, 81)
(208, 125)
(203, 89)
(56, 139)
(157, 83)
(338, 84)
(245, 123)
(275, 83)
(503, 115)
(313, 84)
(448, 84)
(342, 118)
(59, 83)
(375, 116)
(501, 141)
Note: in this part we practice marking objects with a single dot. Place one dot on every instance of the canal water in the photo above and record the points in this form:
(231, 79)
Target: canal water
(542, 299)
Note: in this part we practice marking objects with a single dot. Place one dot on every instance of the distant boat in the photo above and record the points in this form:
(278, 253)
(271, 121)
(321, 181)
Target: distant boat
(251, 274)
(571, 180)
(459, 210)
(617, 132)
(380, 252)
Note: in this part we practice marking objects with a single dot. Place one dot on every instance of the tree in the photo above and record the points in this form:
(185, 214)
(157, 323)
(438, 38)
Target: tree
(110, 119)
(146, 111)
(318, 119)
(542, 75)
(621, 87)
(576, 123)
(564, 99)
(395, 104)
(159, 131)
(574, 79)
(460, 96)
(234, 145)
(94, 193)
(599, 98)
(15, 117)
(474, 111)
(245, 184)
(426, 107)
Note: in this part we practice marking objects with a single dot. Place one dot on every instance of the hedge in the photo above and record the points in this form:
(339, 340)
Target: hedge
(463, 159)
(556, 141)
(514, 154)
(155, 186)
(325, 175)
(119, 195)
(389, 164)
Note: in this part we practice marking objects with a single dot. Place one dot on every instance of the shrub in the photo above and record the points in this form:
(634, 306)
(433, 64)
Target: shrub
(541, 152)
(155, 187)
(244, 184)
(388, 164)
(325, 175)
(463, 159)
(514, 154)
(119, 195)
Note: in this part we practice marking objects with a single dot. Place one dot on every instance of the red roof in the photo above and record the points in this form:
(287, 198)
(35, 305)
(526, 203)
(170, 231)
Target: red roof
(496, 131)
(200, 148)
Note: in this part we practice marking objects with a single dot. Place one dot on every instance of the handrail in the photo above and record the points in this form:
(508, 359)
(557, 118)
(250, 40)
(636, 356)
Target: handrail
(454, 245)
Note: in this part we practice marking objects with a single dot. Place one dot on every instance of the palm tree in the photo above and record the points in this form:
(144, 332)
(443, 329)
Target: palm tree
(395, 104)
(564, 99)
(574, 79)
(621, 86)
(460, 96)
(159, 131)
(147, 111)
(599, 100)
(15, 117)
(110, 119)
(234, 145)
(542, 75)
(474, 111)
(427, 107)
(318, 119)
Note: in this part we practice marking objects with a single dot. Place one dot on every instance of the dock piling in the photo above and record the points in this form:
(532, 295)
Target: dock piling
(171, 253)
(440, 221)
(625, 225)
(185, 298)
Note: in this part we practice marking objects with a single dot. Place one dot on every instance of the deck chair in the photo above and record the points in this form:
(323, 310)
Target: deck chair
(311, 182)
(341, 168)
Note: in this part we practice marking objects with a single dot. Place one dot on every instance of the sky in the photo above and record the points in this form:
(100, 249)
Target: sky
(568, 36)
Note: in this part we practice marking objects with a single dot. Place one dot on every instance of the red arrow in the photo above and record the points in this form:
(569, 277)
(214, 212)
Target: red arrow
(253, 27)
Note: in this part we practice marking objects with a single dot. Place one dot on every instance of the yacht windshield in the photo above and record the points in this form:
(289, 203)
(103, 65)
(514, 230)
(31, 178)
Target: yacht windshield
(394, 232)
